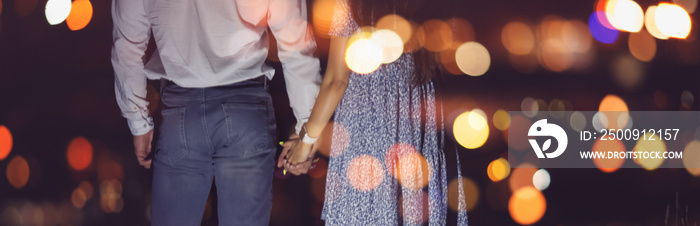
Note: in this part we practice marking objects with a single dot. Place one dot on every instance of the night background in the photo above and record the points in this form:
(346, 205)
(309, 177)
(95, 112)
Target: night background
(66, 154)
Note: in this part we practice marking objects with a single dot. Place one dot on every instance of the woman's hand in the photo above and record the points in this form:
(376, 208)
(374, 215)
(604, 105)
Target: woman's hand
(300, 152)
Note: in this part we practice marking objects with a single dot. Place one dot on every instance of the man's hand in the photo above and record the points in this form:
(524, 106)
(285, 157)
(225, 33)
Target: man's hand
(142, 147)
(296, 169)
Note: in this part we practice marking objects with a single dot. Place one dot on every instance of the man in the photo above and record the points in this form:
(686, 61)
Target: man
(218, 122)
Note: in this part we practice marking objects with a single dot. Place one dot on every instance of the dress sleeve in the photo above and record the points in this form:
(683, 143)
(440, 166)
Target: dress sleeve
(342, 25)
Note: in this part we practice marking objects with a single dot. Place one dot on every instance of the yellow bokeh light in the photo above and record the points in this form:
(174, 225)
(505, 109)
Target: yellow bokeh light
(18, 172)
(80, 14)
(498, 169)
(473, 58)
(625, 15)
(691, 158)
(518, 38)
(650, 151)
(391, 44)
(527, 206)
(323, 16)
(363, 56)
(471, 129)
(501, 120)
(365, 173)
(470, 191)
(111, 196)
(642, 45)
(57, 11)
(5, 142)
(397, 24)
(673, 21)
(650, 23)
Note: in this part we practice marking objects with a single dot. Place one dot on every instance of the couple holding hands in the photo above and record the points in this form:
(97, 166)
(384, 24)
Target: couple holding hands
(387, 161)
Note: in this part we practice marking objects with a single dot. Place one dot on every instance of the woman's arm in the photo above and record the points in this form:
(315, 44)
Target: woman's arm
(332, 89)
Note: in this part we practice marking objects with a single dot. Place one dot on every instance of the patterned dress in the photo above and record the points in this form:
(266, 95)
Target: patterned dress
(387, 166)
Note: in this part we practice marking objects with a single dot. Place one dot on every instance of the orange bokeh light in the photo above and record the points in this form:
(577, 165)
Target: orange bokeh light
(462, 30)
(397, 24)
(614, 108)
(518, 38)
(435, 35)
(470, 192)
(413, 171)
(527, 206)
(608, 165)
(642, 45)
(80, 14)
(110, 170)
(323, 16)
(5, 142)
(394, 154)
(521, 176)
(18, 172)
(79, 153)
(365, 173)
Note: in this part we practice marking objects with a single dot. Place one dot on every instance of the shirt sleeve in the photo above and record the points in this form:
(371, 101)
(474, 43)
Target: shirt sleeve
(131, 33)
(342, 25)
(287, 20)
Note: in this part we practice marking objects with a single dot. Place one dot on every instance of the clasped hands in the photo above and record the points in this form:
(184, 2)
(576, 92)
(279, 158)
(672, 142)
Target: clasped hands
(297, 156)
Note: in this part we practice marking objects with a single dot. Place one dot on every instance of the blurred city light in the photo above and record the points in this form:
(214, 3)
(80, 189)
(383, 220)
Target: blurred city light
(521, 176)
(57, 11)
(110, 170)
(687, 99)
(541, 179)
(111, 196)
(642, 45)
(599, 31)
(394, 154)
(363, 56)
(688, 5)
(18, 172)
(501, 120)
(365, 173)
(419, 207)
(518, 38)
(469, 190)
(615, 111)
(648, 149)
(691, 158)
(413, 171)
(323, 16)
(672, 20)
(397, 24)
(435, 35)
(5, 142)
(527, 205)
(498, 169)
(473, 58)
(577, 121)
(628, 72)
(79, 153)
(650, 23)
(625, 15)
(471, 129)
(80, 15)
(391, 44)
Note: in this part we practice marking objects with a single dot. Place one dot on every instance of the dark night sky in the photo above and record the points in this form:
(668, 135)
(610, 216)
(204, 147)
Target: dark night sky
(56, 84)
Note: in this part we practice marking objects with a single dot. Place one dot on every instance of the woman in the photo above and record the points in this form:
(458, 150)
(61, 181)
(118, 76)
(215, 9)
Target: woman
(387, 165)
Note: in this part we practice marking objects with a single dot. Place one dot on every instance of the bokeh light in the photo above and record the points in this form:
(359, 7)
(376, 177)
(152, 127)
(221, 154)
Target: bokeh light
(501, 120)
(320, 170)
(398, 24)
(448, 60)
(462, 30)
(599, 31)
(498, 169)
(672, 20)
(687, 99)
(5, 142)
(18, 172)
(555, 56)
(521, 176)
(79, 153)
(691, 158)
(394, 154)
(650, 23)
(527, 206)
(629, 72)
(517, 133)
(111, 196)
(391, 44)
(323, 16)
(608, 165)
(473, 58)
(529, 107)
(575, 35)
(470, 191)
(110, 170)
(650, 151)
(419, 207)
(363, 56)
(625, 15)
(57, 11)
(577, 121)
(365, 173)
(471, 129)
(435, 35)
(78, 198)
(615, 111)
(80, 15)
(541, 179)
(25, 7)
(642, 45)
(518, 38)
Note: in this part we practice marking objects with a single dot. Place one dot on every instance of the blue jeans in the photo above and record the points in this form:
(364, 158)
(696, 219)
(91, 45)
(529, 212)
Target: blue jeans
(223, 134)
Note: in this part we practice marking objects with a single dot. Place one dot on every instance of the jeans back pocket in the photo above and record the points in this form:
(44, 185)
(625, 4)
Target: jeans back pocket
(172, 144)
(250, 130)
